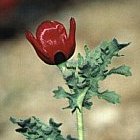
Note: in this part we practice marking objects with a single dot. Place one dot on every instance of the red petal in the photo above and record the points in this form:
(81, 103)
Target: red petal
(72, 30)
(51, 33)
(41, 53)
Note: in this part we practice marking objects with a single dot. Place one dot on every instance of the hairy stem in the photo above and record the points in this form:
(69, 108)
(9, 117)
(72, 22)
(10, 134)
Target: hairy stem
(80, 125)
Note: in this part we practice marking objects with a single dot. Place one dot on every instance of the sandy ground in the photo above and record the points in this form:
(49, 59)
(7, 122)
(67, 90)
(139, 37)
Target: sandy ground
(26, 83)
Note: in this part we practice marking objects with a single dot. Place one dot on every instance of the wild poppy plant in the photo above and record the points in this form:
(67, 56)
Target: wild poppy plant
(52, 44)
(82, 76)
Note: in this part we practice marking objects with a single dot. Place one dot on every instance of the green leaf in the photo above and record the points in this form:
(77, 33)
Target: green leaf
(120, 46)
(81, 83)
(60, 93)
(80, 60)
(87, 50)
(67, 74)
(71, 138)
(110, 96)
(54, 124)
(87, 104)
(89, 71)
(71, 64)
(122, 70)
(13, 120)
(35, 129)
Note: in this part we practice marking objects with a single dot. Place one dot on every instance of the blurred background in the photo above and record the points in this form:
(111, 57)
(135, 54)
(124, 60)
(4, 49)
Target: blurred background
(26, 83)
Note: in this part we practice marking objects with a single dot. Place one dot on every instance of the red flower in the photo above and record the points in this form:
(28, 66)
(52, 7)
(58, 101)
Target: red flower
(51, 43)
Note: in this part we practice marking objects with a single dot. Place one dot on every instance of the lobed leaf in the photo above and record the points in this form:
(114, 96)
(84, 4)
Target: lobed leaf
(122, 70)
(88, 71)
(34, 129)
(60, 93)
(110, 96)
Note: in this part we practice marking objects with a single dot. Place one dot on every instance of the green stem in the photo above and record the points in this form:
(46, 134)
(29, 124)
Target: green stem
(80, 125)
(79, 110)
(79, 115)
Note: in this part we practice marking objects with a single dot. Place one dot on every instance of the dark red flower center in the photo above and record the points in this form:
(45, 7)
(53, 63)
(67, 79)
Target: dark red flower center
(59, 57)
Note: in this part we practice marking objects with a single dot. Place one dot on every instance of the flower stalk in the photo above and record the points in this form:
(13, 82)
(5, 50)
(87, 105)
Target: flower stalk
(80, 124)
(79, 115)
